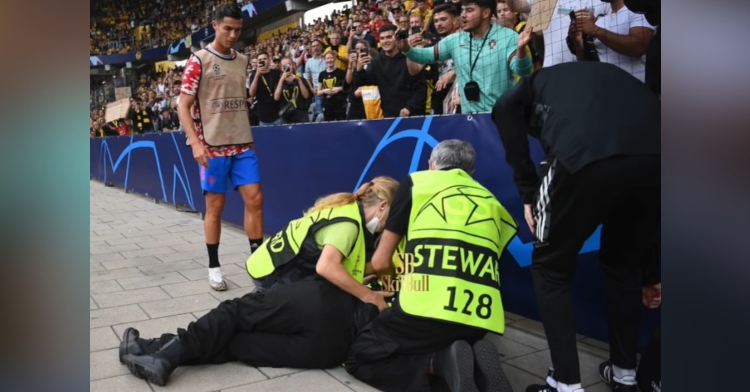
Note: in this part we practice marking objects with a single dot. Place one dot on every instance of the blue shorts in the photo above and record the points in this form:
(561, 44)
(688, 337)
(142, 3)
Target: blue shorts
(240, 170)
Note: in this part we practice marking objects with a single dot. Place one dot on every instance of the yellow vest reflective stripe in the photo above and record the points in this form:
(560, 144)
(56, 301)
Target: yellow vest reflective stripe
(457, 232)
(298, 237)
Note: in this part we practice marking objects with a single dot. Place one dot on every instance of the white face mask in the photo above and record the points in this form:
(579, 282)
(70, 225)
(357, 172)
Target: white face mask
(373, 225)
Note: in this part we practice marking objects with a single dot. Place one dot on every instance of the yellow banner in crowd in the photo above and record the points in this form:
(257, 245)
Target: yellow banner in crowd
(164, 66)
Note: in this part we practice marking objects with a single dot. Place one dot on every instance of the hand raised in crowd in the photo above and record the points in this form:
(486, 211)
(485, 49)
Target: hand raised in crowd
(525, 37)
(404, 112)
(585, 22)
(364, 60)
(445, 80)
(289, 76)
(416, 40)
(402, 44)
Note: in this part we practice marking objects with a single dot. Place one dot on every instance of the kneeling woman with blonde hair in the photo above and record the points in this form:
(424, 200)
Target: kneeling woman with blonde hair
(312, 275)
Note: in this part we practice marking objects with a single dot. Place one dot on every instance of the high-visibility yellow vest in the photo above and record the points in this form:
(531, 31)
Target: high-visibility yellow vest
(296, 244)
(457, 232)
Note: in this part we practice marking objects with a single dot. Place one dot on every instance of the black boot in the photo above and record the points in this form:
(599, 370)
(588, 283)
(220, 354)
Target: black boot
(133, 344)
(156, 368)
(455, 365)
(489, 370)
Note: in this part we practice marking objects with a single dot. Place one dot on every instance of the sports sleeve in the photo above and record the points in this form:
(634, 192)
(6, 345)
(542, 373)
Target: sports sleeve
(341, 235)
(440, 52)
(191, 78)
(520, 67)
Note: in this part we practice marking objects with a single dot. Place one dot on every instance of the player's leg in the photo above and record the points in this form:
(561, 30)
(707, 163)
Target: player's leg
(214, 185)
(245, 177)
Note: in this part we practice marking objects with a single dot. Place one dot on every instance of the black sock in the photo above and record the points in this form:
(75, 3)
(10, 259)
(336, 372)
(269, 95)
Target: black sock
(213, 255)
(255, 244)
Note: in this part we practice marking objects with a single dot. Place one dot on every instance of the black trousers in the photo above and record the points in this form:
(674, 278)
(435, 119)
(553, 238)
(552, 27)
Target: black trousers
(623, 195)
(393, 352)
(307, 324)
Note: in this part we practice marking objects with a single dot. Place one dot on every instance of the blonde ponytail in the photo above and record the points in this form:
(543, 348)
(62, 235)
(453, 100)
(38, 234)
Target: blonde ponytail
(370, 193)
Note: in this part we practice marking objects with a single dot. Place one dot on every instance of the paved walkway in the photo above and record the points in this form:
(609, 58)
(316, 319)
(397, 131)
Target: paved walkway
(148, 270)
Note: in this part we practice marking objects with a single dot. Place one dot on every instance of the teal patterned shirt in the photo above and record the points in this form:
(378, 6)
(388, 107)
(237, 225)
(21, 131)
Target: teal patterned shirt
(493, 71)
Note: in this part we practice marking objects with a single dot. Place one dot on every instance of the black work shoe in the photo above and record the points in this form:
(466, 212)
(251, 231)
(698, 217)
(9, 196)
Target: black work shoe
(488, 370)
(607, 374)
(156, 368)
(455, 365)
(129, 343)
(133, 344)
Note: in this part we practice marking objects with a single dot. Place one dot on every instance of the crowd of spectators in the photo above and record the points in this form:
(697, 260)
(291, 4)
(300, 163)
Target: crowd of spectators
(347, 66)
(153, 107)
(125, 26)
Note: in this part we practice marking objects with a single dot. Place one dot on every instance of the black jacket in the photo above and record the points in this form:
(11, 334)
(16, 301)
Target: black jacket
(582, 112)
(398, 89)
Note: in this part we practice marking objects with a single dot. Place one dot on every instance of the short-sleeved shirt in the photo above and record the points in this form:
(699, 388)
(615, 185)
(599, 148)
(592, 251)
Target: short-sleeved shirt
(556, 49)
(492, 71)
(191, 80)
(341, 235)
(621, 22)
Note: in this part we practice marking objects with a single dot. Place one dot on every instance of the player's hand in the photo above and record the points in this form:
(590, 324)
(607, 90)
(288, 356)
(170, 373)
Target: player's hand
(377, 298)
(652, 296)
(200, 154)
(528, 213)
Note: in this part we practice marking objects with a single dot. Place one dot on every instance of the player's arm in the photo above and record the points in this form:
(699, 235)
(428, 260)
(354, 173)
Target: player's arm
(186, 118)
(190, 82)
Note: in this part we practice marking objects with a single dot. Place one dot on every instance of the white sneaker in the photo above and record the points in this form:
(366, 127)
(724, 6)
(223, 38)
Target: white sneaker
(216, 279)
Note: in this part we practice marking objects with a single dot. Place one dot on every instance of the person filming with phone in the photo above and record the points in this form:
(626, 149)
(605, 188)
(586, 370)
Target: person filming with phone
(292, 93)
(262, 89)
(486, 53)
(403, 95)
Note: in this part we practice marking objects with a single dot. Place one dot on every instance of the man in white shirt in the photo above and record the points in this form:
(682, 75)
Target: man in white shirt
(621, 37)
(556, 49)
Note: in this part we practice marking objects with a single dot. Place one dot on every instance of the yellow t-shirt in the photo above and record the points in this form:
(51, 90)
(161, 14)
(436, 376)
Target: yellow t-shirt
(341, 235)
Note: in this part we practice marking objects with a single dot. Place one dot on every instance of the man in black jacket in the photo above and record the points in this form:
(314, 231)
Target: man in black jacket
(401, 95)
(600, 129)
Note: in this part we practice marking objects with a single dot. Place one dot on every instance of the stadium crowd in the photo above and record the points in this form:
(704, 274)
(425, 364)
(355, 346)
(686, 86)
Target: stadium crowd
(348, 66)
(130, 25)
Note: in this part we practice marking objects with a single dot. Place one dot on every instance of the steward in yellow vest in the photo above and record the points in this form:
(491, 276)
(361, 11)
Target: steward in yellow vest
(308, 323)
(347, 222)
(450, 232)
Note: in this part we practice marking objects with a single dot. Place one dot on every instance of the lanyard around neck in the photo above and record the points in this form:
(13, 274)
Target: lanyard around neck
(480, 49)
(263, 77)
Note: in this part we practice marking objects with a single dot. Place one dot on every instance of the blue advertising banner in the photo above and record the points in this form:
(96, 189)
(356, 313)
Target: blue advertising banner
(300, 163)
